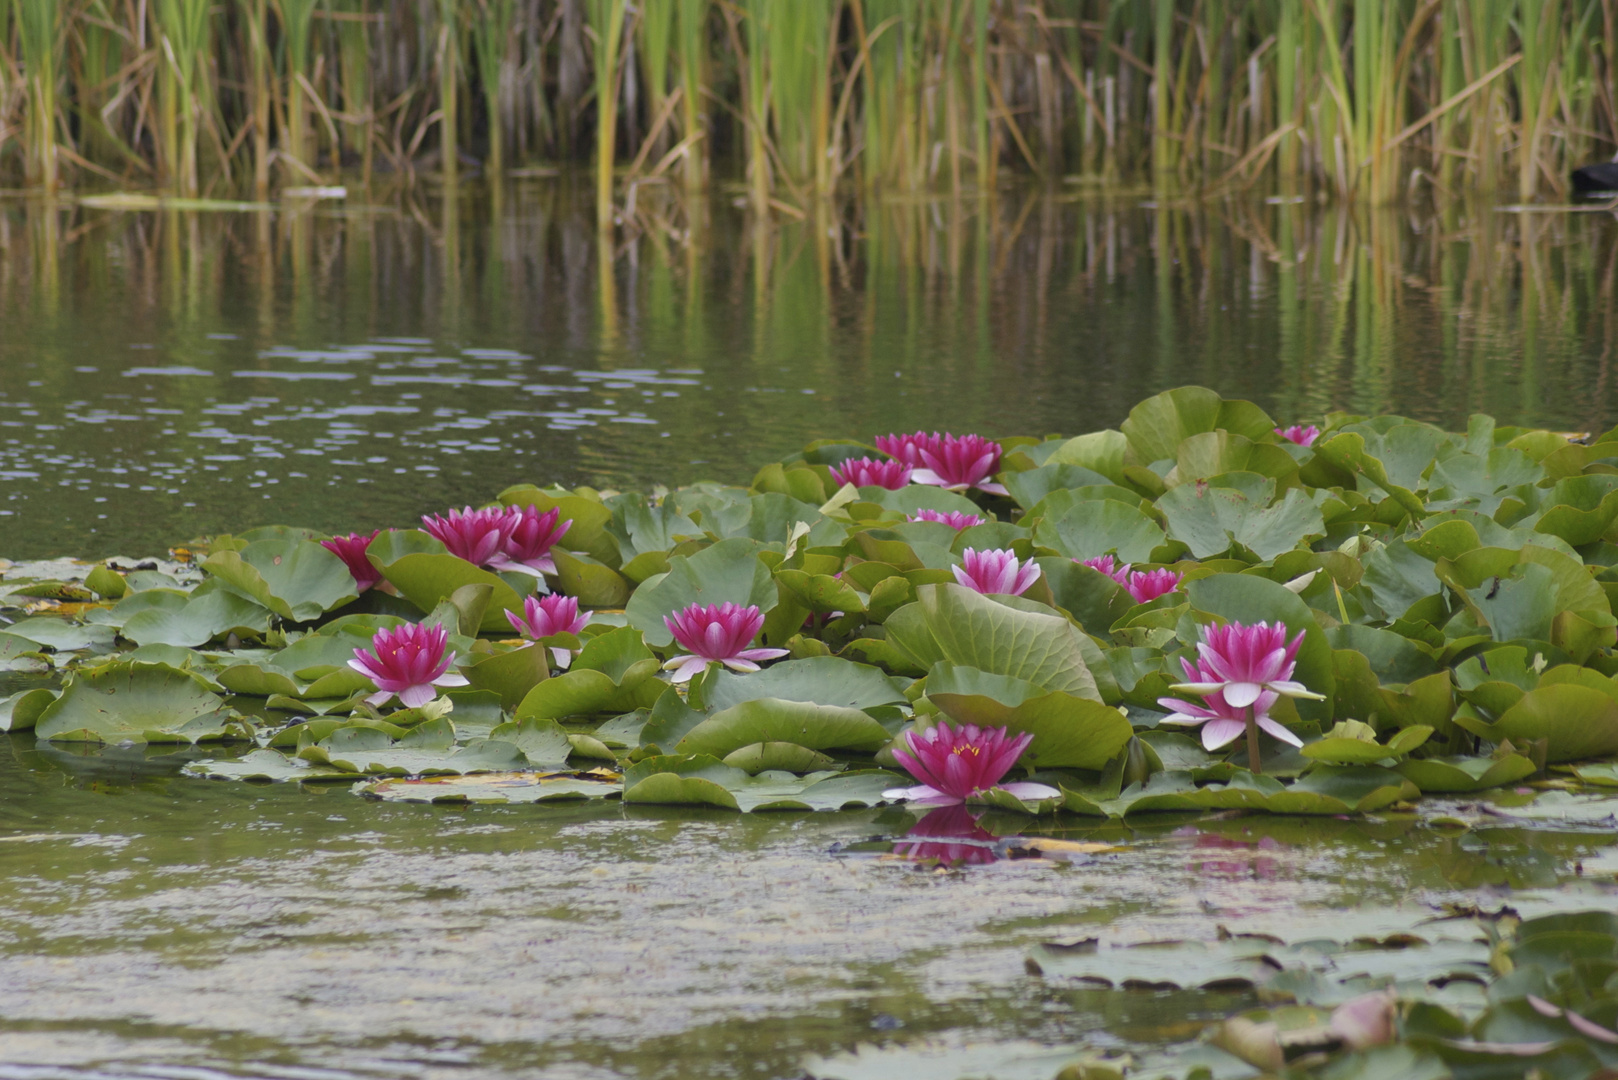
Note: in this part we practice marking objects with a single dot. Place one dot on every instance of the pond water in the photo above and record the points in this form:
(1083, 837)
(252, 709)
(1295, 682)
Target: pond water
(163, 376)
(159, 926)
(345, 366)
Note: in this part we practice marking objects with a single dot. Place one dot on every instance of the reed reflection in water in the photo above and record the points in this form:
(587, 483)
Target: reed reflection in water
(165, 374)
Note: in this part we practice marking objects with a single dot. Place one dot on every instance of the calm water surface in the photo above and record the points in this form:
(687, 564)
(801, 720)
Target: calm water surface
(164, 376)
(348, 366)
(161, 926)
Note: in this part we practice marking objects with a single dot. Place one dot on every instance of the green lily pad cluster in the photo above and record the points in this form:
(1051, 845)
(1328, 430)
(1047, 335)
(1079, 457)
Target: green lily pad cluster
(1453, 591)
(1498, 996)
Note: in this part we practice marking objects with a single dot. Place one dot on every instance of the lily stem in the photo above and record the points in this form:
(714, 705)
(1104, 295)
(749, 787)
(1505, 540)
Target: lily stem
(1254, 765)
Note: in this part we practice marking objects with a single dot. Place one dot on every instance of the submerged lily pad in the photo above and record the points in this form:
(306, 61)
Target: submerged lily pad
(498, 787)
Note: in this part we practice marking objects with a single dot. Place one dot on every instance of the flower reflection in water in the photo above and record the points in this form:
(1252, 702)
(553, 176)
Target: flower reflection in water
(950, 835)
(1232, 859)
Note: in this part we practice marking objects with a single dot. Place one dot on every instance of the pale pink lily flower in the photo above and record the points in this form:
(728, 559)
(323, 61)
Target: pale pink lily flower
(869, 472)
(1242, 662)
(1146, 585)
(527, 547)
(960, 462)
(955, 763)
(408, 660)
(478, 536)
(1222, 723)
(1297, 433)
(1106, 564)
(351, 549)
(716, 634)
(908, 448)
(955, 519)
(995, 571)
(546, 615)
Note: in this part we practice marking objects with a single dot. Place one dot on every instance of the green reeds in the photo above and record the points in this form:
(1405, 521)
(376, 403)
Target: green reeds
(492, 25)
(182, 91)
(38, 25)
(693, 22)
(1358, 99)
(297, 147)
(607, 20)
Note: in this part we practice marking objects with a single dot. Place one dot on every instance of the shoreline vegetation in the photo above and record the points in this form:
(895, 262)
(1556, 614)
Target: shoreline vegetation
(790, 100)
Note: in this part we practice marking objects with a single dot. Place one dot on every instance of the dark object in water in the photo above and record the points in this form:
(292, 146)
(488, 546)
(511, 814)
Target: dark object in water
(1602, 176)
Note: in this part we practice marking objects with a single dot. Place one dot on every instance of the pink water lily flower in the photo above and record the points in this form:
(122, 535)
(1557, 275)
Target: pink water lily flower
(351, 549)
(960, 462)
(995, 571)
(950, 835)
(408, 660)
(478, 536)
(908, 448)
(869, 472)
(1222, 723)
(1243, 662)
(955, 763)
(1146, 585)
(955, 519)
(716, 634)
(1106, 564)
(527, 547)
(546, 615)
(1297, 433)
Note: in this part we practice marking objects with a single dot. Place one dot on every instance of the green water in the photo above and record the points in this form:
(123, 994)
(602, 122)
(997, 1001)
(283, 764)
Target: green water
(167, 375)
(163, 376)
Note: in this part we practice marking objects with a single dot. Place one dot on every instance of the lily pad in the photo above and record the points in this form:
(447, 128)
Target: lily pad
(955, 624)
(1069, 732)
(727, 572)
(615, 672)
(702, 780)
(140, 703)
(1578, 722)
(1459, 775)
(297, 579)
(498, 787)
(767, 720)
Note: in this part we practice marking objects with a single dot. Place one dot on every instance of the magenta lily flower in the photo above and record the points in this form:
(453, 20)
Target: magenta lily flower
(546, 615)
(527, 548)
(960, 462)
(1242, 662)
(478, 536)
(1297, 433)
(955, 519)
(908, 448)
(955, 763)
(1146, 585)
(1222, 723)
(995, 572)
(716, 634)
(950, 835)
(408, 660)
(869, 472)
(351, 549)
(1106, 564)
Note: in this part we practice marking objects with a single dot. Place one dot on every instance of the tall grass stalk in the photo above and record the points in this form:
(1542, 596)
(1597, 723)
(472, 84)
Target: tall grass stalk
(39, 39)
(607, 20)
(296, 19)
(492, 24)
(693, 23)
(449, 73)
(184, 26)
